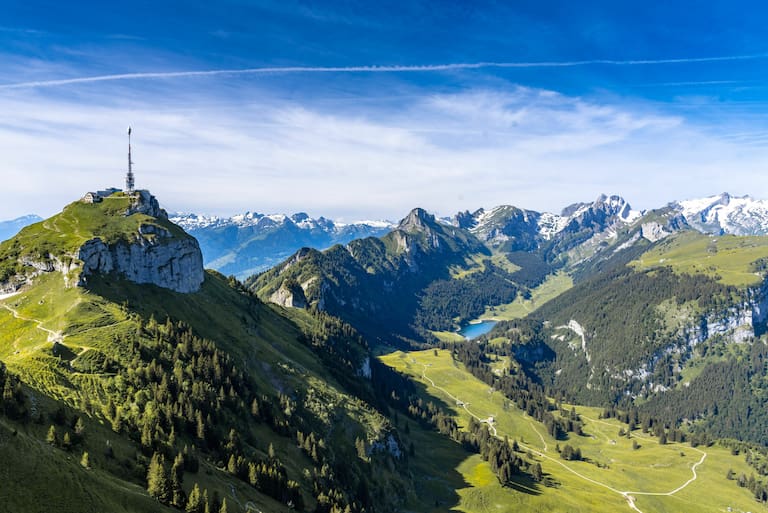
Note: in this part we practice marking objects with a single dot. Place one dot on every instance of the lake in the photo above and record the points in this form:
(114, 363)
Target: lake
(471, 331)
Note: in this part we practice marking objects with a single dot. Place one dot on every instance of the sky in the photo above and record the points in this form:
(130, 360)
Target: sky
(364, 110)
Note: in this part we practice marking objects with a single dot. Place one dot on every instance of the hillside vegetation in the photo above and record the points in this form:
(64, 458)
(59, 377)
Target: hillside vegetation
(658, 477)
(733, 260)
(219, 365)
(187, 399)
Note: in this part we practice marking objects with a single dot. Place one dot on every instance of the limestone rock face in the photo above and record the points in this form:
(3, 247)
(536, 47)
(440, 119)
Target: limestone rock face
(289, 297)
(175, 264)
(653, 231)
(146, 203)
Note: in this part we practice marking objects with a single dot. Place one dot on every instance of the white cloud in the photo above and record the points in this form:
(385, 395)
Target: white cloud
(533, 148)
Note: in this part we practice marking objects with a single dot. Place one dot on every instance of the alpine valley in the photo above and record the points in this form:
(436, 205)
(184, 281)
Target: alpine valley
(626, 371)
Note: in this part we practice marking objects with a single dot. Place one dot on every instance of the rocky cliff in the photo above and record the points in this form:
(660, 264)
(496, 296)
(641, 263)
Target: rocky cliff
(158, 253)
(176, 264)
(126, 235)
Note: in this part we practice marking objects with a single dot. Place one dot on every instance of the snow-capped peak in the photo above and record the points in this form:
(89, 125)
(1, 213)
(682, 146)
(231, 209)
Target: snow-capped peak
(190, 221)
(723, 213)
(551, 224)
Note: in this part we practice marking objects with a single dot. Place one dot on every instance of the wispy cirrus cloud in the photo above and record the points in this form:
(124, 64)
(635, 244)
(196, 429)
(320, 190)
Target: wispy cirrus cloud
(276, 70)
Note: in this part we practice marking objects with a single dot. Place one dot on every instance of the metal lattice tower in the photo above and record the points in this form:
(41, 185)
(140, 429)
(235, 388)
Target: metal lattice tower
(129, 182)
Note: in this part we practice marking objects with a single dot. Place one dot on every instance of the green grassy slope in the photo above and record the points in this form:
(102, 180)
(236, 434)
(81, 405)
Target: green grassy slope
(37, 477)
(265, 397)
(57, 339)
(61, 235)
(553, 286)
(611, 465)
(730, 259)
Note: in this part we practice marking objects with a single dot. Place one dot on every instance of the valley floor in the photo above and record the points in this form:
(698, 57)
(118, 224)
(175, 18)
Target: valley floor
(613, 475)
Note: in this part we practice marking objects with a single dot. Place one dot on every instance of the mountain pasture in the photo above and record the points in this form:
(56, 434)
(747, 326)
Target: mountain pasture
(610, 466)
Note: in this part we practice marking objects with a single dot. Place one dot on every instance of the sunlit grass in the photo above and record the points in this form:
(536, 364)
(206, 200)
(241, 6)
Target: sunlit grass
(552, 287)
(727, 258)
(651, 468)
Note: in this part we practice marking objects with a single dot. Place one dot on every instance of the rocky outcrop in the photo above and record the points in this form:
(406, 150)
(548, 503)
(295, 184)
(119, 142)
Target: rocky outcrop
(417, 220)
(737, 324)
(147, 204)
(154, 255)
(289, 297)
(653, 231)
(175, 264)
(134, 241)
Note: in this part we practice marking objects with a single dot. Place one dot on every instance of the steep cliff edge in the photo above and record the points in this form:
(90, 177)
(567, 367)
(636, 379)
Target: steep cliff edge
(126, 235)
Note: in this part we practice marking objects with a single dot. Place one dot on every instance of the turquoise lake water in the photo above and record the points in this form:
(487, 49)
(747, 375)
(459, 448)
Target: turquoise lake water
(471, 331)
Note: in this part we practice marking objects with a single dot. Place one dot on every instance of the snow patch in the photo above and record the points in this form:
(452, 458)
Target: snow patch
(190, 221)
(723, 213)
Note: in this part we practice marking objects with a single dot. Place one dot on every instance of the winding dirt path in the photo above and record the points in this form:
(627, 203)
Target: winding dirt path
(53, 336)
(543, 442)
(629, 496)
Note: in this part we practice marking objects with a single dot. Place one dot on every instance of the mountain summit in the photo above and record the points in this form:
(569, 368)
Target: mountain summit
(723, 213)
(127, 235)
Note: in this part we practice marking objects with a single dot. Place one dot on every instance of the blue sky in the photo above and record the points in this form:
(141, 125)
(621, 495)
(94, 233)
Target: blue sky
(366, 109)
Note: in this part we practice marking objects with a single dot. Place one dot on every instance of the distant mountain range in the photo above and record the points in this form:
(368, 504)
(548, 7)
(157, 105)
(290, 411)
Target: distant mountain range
(249, 243)
(10, 228)
(522, 229)
(724, 213)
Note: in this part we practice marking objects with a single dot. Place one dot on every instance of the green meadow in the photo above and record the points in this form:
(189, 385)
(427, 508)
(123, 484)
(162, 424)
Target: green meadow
(730, 259)
(655, 476)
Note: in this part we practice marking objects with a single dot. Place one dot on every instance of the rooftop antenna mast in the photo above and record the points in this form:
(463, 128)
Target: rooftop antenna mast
(129, 182)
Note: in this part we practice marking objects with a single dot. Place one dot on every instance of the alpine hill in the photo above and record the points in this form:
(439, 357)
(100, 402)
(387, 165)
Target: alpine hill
(136, 381)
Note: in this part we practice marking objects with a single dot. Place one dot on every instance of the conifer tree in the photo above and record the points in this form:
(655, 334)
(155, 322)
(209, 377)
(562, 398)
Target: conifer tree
(51, 437)
(117, 421)
(253, 475)
(80, 428)
(194, 502)
(206, 503)
(177, 478)
(232, 465)
(157, 479)
(360, 447)
(536, 472)
(200, 425)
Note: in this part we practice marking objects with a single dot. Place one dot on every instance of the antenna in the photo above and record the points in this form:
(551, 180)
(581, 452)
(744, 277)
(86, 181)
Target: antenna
(129, 182)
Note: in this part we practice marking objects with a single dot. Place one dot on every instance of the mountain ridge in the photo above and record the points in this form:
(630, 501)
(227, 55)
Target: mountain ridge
(295, 386)
(248, 243)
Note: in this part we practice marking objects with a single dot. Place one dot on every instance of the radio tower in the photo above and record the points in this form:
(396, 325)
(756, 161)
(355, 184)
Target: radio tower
(129, 177)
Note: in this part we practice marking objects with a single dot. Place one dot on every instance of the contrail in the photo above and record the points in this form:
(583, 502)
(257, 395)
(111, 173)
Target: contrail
(372, 69)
